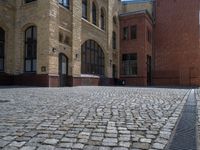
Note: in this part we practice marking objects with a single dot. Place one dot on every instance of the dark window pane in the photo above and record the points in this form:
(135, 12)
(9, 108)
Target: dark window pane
(102, 20)
(30, 49)
(28, 1)
(94, 14)
(114, 40)
(125, 33)
(84, 9)
(2, 35)
(129, 64)
(1, 64)
(133, 32)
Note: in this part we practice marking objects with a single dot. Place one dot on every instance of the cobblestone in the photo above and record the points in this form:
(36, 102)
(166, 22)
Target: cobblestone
(89, 118)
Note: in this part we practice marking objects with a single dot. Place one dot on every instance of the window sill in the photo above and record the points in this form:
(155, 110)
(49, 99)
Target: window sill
(89, 76)
(65, 8)
(29, 73)
(95, 26)
(65, 45)
(129, 76)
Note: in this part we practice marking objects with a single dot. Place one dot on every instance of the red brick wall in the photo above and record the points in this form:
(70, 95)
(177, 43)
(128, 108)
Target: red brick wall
(177, 51)
(140, 46)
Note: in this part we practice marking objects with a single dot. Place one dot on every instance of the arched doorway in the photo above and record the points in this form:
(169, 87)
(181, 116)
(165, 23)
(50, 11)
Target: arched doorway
(63, 69)
(2, 49)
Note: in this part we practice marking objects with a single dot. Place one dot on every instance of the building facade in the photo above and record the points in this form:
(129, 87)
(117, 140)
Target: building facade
(58, 42)
(99, 42)
(176, 47)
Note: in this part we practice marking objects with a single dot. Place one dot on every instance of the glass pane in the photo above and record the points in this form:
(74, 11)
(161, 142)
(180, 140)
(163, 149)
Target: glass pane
(1, 64)
(34, 65)
(34, 54)
(1, 50)
(28, 51)
(34, 33)
(28, 65)
(64, 68)
(29, 34)
(2, 35)
(65, 2)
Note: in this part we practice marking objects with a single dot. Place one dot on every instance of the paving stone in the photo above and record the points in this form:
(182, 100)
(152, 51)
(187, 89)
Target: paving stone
(3, 143)
(78, 146)
(17, 144)
(46, 147)
(51, 141)
(120, 148)
(28, 148)
(66, 145)
(158, 146)
(141, 145)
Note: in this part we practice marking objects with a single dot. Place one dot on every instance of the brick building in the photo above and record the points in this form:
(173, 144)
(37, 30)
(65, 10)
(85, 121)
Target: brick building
(176, 47)
(58, 42)
(93, 42)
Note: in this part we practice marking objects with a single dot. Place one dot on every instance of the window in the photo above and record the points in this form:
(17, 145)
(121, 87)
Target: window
(84, 9)
(125, 33)
(64, 3)
(94, 14)
(129, 63)
(92, 58)
(2, 46)
(67, 40)
(133, 32)
(102, 19)
(114, 40)
(30, 49)
(115, 20)
(60, 37)
(149, 36)
(28, 1)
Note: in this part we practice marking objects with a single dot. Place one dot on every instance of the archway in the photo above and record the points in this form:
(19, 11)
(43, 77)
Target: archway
(63, 69)
(92, 60)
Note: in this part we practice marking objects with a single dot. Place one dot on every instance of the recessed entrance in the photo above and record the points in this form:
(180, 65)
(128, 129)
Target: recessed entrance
(63, 69)
(149, 76)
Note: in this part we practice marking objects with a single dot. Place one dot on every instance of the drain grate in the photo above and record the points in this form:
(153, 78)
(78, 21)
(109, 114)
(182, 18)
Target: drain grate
(4, 101)
(185, 134)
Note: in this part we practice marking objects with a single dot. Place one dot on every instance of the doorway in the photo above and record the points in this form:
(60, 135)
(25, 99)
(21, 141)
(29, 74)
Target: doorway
(149, 73)
(63, 69)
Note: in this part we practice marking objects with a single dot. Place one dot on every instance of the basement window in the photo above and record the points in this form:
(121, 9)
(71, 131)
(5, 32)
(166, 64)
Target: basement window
(29, 1)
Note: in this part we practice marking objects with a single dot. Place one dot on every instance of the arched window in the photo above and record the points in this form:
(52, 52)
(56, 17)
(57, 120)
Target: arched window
(94, 14)
(30, 49)
(114, 40)
(84, 9)
(102, 19)
(92, 60)
(114, 20)
(2, 48)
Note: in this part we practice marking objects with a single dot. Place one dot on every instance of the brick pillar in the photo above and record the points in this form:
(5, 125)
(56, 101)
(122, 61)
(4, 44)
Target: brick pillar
(76, 37)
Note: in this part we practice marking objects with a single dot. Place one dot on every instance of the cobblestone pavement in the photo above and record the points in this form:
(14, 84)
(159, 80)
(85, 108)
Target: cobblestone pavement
(89, 118)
